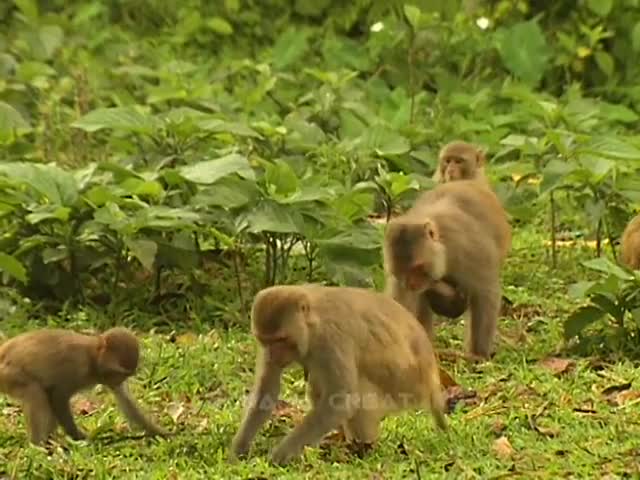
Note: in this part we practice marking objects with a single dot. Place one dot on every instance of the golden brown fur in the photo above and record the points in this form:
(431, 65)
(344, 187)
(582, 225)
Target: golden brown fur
(457, 232)
(630, 244)
(366, 357)
(44, 368)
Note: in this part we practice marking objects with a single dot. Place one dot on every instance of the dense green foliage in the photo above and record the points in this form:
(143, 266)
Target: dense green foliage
(258, 137)
(161, 161)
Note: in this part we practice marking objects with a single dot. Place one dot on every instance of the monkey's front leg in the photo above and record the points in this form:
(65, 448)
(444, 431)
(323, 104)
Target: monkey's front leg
(323, 418)
(261, 403)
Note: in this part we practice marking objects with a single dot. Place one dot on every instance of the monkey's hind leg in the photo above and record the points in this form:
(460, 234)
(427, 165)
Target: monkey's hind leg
(40, 419)
(483, 321)
(62, 412)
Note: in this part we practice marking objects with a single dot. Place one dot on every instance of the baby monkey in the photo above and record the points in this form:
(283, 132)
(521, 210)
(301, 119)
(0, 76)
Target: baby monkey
(366, 356)
(630, 244)
(43, 369)
(460, 160)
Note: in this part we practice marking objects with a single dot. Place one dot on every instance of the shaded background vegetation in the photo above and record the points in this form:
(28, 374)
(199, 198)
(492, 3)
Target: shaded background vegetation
(175, 159)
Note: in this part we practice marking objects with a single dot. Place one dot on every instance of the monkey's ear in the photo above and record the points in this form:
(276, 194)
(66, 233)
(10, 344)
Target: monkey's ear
(431, 230)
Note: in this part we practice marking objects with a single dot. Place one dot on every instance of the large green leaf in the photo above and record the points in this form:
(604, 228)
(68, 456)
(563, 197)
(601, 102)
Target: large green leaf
(603, 264)
(221, 126)
(384, 141)
(144, 250)
(228, 193)
(280, 178)
(55, 184)
(11, 266)
(210, 171)
(128, 119)
(581, 319)
(524, 50)
(600, 7)
(269, 216)
(161, 217)
(290, 47)
(11, 120)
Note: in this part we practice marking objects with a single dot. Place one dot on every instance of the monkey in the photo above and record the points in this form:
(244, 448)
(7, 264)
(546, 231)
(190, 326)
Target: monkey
(630, 244)
(366, 356)
(457, 231)
(460, 160)
(44, 368)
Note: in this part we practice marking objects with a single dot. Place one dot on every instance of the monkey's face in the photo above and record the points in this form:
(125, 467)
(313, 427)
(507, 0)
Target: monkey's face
(282, 351)
(456, 167)
(415, 257)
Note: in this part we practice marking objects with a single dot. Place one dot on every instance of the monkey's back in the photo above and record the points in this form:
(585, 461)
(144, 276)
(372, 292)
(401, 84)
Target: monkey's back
(479, 206)
(388, 344)
(630, 243)
(49, 356)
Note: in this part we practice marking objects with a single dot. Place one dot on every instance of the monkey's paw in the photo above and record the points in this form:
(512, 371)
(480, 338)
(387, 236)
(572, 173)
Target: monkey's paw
(239, 448)
(282, 455)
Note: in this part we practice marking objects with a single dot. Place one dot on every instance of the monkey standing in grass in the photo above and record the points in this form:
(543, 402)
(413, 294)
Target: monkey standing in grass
(365, 354)
(457, 233)
(44, 368)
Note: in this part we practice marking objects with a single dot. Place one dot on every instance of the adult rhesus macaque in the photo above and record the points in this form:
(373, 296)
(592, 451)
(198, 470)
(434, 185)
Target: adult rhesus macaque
(366, 356)
(460, 160)
(44, 368)
(630, 244)
(457, 233)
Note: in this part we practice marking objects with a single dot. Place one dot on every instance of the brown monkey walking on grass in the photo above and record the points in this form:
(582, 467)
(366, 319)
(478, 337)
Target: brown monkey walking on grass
(460, 160)
(43, 369)
(365, 354)
(630, 244)
(459, 233)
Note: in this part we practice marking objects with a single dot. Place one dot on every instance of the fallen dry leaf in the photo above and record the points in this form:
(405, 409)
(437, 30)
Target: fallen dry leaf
(498, 427)
(447, 380)
(188, 338)
(616, 388)
(175, 410)
(502, 447)
(456, 394)
(84, 406)
(402, 449)
(625, 397)
(544, 431)
(203, 425)
(285, 409)
(337, 436)
(585, 410)
(558, 365)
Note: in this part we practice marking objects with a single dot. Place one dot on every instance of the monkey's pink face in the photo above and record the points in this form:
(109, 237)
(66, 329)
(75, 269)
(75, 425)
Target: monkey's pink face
(418, 278)
(282, 351)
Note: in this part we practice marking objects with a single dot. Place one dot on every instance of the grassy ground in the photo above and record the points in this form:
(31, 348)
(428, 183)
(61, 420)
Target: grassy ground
(528, 418)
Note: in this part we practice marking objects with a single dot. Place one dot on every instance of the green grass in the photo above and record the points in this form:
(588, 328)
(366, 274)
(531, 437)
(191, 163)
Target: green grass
(194, 383)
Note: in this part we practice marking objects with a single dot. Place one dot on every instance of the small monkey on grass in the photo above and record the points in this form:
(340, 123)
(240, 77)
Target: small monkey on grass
(460, 160)
(43, 369)
(366, 356)
(457, 233)
(630, 244)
